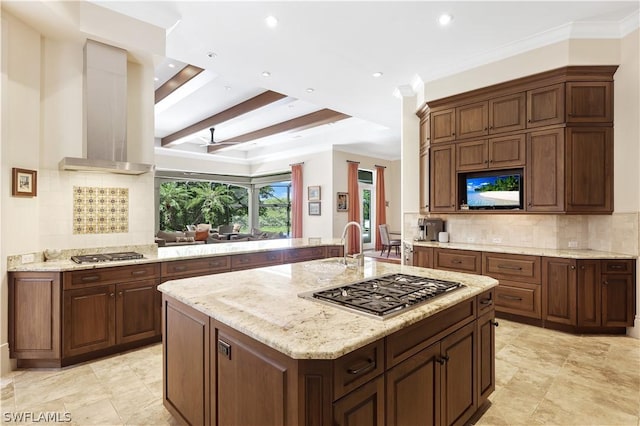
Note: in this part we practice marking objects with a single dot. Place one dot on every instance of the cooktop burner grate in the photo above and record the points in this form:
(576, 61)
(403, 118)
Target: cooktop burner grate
(106, 257)
(388, 294)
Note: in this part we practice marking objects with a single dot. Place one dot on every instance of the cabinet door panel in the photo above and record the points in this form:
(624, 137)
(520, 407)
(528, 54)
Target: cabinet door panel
(545, 106)
(423, 257)
(34, 315)
(589, 299)
(618, 298)
(472, 120)
(89, 319)
(364, 406)
(136, 311)
(472, 155)
(424, 180)
(507, 151)
(251, 386)
(415, 383)
(545, 171)
(443, 125)
(443, 162)
(507, 113)
(589, 102)
(559, 290)
(486, 356)
(589, 169)
(459, 386)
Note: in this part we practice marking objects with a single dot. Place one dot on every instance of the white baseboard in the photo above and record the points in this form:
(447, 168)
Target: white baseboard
(635, 330)
(6, 364)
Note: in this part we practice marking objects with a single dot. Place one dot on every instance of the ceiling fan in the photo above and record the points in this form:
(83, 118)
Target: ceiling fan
(211, 141)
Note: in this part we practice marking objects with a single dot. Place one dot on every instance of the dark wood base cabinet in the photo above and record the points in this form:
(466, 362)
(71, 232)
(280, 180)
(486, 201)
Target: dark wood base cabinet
(62, 318)
(436, 372)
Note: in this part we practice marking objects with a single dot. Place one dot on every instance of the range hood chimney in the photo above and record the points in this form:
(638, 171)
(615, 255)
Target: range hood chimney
(105, 113)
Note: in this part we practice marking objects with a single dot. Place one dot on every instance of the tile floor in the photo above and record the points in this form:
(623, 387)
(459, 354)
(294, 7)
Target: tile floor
(543, 377)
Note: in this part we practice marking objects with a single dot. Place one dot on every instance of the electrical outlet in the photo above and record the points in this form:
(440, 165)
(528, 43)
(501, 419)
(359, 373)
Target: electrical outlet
(497, 240)
(27, 258)
(573, 244)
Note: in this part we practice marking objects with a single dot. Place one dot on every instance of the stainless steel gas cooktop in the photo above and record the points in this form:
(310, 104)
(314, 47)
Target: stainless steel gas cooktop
(384, 296)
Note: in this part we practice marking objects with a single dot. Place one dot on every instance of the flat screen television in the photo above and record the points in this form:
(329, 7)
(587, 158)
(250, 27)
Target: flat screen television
(499, 190)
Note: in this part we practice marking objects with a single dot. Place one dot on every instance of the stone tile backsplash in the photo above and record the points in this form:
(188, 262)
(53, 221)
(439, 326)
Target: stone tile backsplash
(615, 233)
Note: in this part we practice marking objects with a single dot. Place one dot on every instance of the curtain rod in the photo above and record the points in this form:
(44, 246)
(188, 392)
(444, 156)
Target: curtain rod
(376, 165)
(350, 161)
(296, 164)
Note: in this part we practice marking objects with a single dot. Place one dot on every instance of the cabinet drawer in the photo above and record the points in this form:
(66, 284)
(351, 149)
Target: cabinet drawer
(335, 251)
(486, 301)
(410, 340)
(194, 267)
(519, 299)
(301, 254)
(458, 260)
(89, 277)
(254, 260)
(357, 367)
(617, 266)
(512, 267)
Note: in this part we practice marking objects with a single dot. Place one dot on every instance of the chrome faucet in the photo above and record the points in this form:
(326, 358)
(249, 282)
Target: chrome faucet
(359, 256)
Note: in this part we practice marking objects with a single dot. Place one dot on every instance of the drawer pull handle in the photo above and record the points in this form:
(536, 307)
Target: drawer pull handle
(217, 263)
(605, 282)
(244, 260)
(617, 267)
(495, 323)
(370, 365)
(456, 261)
(179, 268)
(140, 272)
(486, 302)
(510, 267)
(90, 278)
(508, 297)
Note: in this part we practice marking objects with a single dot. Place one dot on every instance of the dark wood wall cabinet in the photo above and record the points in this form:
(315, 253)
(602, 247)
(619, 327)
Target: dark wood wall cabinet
(62, 318)
(438, 371)
(576, 295)
(557, 126)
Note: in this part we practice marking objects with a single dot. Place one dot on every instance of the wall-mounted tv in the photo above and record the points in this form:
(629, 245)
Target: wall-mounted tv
(496, 190)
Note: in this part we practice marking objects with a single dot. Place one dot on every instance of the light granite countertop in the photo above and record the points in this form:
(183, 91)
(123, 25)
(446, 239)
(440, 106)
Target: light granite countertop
(532, 251)
(152, 253)
(264, 304)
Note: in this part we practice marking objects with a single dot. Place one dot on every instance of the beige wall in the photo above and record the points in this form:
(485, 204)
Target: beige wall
(618, 232)
(41, 123)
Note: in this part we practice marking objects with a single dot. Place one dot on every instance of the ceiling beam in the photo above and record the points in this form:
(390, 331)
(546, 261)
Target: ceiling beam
(314, 119)
(249, 105)
(177, 81)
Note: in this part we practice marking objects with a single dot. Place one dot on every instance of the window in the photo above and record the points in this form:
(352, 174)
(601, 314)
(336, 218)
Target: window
(274, 208)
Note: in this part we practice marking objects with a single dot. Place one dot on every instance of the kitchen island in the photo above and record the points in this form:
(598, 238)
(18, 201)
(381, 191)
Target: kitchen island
(244, 348)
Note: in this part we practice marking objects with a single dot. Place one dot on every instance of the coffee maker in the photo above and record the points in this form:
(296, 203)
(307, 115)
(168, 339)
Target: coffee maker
(429, 228)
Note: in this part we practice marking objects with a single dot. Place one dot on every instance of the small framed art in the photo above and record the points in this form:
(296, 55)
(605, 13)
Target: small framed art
(314, 208)
(24, 183)
(342, 202)
(314, 193)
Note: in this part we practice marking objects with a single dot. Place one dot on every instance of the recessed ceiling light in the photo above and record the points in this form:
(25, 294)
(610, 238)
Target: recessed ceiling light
(377, 74)
(227, 88)
(271, 21)
(266, 74)
(155, 79)
(310, 90)
(445, 19)
(172, 65)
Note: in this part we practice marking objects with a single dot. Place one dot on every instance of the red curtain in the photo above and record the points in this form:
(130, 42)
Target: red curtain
(353, 236)
(296, 202)
(381, 211)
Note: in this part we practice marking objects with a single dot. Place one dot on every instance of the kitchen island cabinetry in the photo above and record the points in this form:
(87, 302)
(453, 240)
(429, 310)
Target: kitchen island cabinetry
(437, 362)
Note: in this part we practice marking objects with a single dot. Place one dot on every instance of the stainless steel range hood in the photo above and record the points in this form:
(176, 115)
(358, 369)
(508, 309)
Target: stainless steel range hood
(105, 113)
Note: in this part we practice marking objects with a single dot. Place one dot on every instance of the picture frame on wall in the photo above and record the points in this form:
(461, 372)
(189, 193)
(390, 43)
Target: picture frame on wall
(342, 202)
(24, 183)
(314, 208)
(313, 193)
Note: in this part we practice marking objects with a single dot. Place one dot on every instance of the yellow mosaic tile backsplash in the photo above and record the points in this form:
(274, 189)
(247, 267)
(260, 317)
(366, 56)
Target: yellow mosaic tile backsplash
(100, 210)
